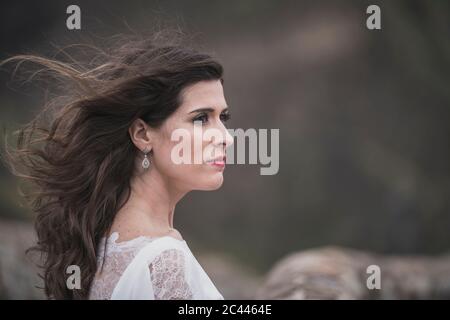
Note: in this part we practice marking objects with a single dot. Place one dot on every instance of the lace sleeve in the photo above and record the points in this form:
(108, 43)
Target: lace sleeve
(167, 273)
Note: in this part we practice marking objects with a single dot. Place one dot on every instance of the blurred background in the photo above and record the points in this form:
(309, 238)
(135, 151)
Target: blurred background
(364, 119)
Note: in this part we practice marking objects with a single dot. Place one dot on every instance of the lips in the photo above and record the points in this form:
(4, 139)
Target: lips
(218, 161)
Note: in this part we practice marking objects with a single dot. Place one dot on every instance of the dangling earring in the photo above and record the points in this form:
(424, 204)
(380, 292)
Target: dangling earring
(146, 161)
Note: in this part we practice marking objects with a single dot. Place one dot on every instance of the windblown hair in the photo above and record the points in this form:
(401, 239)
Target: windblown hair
(77, 153)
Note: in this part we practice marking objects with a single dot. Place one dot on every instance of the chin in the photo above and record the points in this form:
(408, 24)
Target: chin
(212, 183)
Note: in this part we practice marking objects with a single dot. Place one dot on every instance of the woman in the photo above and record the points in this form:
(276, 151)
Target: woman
(107, 181)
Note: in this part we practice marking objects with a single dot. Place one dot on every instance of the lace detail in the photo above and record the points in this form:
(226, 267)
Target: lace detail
(170, 270)
(167, 273)
(117, 258)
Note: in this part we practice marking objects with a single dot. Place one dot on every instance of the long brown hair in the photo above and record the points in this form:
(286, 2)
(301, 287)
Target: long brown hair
(77, 152)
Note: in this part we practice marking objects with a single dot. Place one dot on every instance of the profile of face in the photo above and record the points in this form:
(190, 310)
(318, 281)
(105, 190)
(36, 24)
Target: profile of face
(201, 118)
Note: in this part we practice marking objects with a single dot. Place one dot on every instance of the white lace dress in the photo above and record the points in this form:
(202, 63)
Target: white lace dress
(160, 268)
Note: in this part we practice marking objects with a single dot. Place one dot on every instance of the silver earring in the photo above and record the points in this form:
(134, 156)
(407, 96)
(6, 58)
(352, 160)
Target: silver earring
(146, 161)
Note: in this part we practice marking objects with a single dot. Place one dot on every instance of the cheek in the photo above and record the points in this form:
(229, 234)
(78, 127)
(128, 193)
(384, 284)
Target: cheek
(188, 176)
(203, 149)
(197, 145)
(204, 175)
(193, 176)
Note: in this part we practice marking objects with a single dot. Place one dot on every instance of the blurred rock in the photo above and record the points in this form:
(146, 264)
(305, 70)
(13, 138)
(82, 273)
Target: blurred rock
(338, 273)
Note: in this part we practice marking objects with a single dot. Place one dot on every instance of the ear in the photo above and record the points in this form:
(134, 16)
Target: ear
(141, 135)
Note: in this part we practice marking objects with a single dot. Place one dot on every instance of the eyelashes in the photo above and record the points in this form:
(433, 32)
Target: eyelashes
(203, 117)
(225, 116)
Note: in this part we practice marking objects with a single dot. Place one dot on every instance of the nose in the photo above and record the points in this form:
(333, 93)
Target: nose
(220, 137)
(227, 139)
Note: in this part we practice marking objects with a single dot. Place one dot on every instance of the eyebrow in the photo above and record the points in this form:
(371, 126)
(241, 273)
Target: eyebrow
(207, 110)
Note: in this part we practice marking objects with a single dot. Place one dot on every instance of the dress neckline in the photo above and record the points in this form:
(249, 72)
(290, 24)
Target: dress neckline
(112, 239)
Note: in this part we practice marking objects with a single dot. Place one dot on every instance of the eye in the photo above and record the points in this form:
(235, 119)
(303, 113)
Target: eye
(201, 117)
(225, 116)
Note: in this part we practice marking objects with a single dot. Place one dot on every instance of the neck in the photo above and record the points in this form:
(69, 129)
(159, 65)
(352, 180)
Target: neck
(152, 202)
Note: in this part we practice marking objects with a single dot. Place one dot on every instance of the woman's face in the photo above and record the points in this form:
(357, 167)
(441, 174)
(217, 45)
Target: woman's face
(185, 146)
